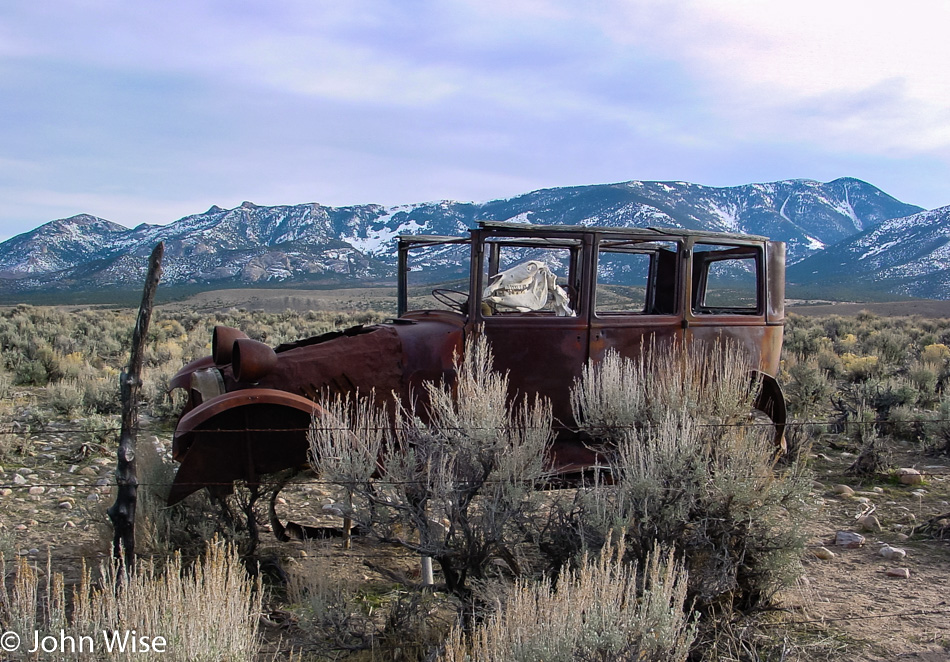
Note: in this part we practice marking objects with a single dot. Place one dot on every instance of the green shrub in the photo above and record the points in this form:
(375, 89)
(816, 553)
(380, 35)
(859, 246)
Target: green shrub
(65, 397)
(807, 387)
(924, 377)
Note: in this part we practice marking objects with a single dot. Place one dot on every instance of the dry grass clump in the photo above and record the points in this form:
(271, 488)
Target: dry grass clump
(207, 612)
(605, 609)
(712, 383)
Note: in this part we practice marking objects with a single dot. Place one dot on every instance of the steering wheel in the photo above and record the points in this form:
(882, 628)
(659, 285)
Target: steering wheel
(454, 299)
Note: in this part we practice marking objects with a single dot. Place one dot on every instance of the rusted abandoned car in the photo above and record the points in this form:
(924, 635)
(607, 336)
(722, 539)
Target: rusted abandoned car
(548, 298)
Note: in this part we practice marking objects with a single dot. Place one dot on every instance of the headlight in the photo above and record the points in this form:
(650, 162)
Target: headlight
(206, 384)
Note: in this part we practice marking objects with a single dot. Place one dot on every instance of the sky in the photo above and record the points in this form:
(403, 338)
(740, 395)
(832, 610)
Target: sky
(148, 111)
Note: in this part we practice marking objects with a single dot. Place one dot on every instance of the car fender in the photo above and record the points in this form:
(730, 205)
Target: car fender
(770, 400)
(182, 378)
(240, 436)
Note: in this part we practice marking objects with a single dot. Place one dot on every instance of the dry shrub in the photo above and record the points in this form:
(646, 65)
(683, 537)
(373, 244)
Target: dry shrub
(687, 471)
(713, 383)
(65, 397)
(207, 612)
(463, 482)
(605, 610)
(164, 530)
(860, 368)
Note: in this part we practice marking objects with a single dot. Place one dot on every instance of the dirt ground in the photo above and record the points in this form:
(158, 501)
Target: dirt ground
(854, 603)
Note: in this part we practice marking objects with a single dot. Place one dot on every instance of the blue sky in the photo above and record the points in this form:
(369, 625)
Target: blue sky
(148, 111)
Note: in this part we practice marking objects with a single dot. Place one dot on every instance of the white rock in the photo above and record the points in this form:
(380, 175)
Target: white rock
(898, 573)
(843, 490)
(908, 476)
(892, 553)
(19, 479)
(37, 489)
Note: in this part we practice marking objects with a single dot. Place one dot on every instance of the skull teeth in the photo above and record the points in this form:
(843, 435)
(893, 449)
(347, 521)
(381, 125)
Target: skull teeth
(513, 289)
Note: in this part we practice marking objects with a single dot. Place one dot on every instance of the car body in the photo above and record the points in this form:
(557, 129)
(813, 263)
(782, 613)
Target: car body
(594, 290)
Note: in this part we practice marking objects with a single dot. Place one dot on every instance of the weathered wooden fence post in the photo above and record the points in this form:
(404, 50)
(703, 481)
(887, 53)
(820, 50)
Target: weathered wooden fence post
(122, 512)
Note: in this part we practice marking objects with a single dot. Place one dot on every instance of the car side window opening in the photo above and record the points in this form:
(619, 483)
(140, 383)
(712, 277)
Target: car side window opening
(519, 279)
(726, 280)
(636, 277)
(433, 273)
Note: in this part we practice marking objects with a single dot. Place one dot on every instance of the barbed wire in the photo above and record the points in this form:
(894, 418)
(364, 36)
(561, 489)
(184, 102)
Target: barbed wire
(307, 481)
(319, 545)
(617, 426)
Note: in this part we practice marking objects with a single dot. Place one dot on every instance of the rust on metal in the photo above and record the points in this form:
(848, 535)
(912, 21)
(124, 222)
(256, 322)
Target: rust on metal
(625, 288)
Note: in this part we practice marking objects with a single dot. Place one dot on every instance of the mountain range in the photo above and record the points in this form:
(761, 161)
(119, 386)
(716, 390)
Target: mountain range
(839, 232)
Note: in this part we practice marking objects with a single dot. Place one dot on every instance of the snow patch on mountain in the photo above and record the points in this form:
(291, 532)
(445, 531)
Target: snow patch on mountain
(379, 239)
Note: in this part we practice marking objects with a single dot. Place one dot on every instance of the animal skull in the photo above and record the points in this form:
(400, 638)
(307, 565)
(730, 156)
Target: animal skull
(526, 287)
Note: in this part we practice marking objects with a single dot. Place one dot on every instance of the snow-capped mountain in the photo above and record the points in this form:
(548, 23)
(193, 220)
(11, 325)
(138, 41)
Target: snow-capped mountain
(58, 245)
(908, 255)
(315, 243)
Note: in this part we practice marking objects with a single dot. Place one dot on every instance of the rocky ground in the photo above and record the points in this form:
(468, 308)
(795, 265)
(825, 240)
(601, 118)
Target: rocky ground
(875, 584)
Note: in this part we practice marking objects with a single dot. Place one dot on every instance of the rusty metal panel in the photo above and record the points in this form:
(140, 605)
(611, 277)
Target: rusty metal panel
(240, 436)
(542, 355)
(775, 263)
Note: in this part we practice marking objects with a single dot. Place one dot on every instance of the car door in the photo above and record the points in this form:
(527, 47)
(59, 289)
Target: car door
(542, 351)
(637, 296)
